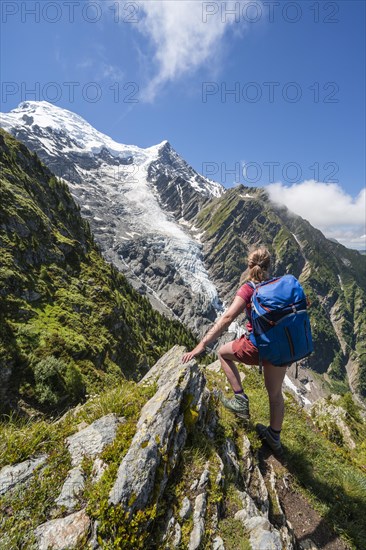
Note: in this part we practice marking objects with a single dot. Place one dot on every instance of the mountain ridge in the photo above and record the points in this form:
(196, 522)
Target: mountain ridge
(123, 205)
(331, 274)
(162, 464)
(182, 241)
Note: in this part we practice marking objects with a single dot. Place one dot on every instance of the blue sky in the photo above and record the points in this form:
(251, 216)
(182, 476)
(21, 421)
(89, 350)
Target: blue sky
(147, 71)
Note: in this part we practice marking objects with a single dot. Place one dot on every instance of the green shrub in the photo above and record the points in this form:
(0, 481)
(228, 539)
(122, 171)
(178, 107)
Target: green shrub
(57, 381)
(350, 407)
(74, 382)
(337, 369)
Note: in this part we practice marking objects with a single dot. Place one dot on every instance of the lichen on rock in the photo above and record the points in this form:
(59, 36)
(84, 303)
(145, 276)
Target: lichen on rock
(160, 420)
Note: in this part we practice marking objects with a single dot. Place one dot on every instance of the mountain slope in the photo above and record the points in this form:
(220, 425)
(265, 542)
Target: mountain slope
(70, 323)
(132, 198)
(162, 464)
(334, 277)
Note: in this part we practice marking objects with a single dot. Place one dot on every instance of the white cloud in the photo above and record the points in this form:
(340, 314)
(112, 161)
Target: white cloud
(111, 72)
(100, 70)
(185, 36)
(328, 207)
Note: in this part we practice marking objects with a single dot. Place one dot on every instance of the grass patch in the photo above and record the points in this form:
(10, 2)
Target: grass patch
(233, 534)
(31, 504)
(20, 438)
(332, 478)
(333, 482)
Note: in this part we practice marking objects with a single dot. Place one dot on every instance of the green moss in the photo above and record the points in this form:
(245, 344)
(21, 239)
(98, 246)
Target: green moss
(190, 414)
(118, 530)
(234, 535)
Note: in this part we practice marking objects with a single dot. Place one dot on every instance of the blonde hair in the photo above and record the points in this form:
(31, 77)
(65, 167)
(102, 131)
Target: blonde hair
(258, 265)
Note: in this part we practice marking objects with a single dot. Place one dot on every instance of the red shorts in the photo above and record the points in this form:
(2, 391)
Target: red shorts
(246, 352)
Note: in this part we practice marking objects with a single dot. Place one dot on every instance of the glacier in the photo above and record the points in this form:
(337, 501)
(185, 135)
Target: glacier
(120, 190)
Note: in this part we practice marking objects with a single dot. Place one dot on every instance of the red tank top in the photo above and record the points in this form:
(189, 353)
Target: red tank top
(245, 292)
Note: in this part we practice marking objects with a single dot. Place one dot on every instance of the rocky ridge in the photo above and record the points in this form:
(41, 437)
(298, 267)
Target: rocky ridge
(156, 473)
(181, 399)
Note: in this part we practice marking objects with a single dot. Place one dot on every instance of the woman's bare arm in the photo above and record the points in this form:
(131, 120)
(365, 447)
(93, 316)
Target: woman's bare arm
(237, 307)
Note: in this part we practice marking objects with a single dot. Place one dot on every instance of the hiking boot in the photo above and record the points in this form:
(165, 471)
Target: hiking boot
(237, 404)
(265, 435)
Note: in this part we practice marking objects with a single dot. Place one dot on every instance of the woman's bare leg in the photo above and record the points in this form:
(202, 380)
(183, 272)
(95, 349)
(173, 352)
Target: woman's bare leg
(273, 378)
(227, 359)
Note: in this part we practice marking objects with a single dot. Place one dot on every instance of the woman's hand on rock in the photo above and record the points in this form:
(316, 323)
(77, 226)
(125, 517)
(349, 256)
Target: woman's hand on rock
(200, 348)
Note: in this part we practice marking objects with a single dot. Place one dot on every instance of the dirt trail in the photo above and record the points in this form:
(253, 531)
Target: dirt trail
(306, 523)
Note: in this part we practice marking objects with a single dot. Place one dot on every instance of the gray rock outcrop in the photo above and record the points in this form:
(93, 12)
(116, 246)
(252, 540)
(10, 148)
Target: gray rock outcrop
(161, 430)
(262, 534)
(186, 509)
(91, 441)
(218, 544)
(12, 475)
(88, 441)
(198, 522)
(62, 533)
(181, 404)
(72, 487)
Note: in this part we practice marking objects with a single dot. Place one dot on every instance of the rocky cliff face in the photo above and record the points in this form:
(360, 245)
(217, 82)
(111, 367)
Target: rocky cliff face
(161, 465)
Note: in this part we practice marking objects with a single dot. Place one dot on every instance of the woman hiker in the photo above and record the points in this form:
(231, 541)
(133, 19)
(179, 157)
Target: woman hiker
(243, 351)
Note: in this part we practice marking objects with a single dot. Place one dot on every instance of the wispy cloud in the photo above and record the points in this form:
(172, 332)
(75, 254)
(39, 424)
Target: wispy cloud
(99, 69)
(185, 35)
(328, 207)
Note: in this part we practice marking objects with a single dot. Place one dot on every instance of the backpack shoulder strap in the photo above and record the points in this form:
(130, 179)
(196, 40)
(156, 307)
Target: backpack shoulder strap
(251, 284)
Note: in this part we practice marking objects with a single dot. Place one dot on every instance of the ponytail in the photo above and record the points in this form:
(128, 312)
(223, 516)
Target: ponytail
(258, 265)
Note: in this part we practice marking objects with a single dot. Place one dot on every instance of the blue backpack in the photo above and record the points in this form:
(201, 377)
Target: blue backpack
(281, 325)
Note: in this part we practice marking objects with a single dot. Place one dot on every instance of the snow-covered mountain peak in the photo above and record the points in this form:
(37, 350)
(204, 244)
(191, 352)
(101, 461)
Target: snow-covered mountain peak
(170, 161)
(51, 119)
(139, 202)
(57, 120)
(60, 131)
